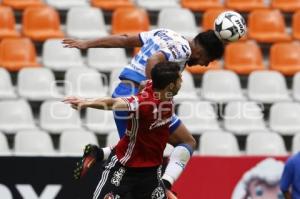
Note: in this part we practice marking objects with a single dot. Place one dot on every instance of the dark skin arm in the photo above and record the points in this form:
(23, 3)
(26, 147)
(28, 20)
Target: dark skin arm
(287, 195)
(154, 59)
(113, 41)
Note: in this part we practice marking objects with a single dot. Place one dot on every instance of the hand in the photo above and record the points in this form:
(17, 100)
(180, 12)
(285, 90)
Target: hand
(170, 195)
(73, 43)
(75, 102)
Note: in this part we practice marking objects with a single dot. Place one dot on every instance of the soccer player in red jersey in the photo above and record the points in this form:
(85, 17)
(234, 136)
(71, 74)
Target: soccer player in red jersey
(134, 165)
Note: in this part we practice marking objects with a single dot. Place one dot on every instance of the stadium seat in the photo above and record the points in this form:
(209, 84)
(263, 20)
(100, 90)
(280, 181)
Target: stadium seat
(104, 59)
(41, 87)
(16, 53)
(285, 117)
(72, 143)
(286, 5)
(218, 143)
(265, 143)
(111, 5)
(201, 5)
(296, 25)
(84, 82)
(58, 58)
(209, 17)
(99, 121)
(267, 87)
(188, 89)
(85, 23)
(198, 69)
(67, 4)
(284, 57)
(130, 20)
(33, 143)
(198, 116)
(55, 117)
(221, 86)
(296, 86)
(4, 149)
(22, 4)
(15, 115)
(268, 26)
(296, 143)
(244, 6)
(7, 23)
(243, 117)
(155, 5)
(41, 23)
(243, 57)
(6, 88)
(184, 23)
(112, 139)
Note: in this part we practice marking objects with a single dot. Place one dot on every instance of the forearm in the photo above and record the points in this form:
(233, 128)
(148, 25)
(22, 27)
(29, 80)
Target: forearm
(287, 195)
(105, 104)
(114, 41)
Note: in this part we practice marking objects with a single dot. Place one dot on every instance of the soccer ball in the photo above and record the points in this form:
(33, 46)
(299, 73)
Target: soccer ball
(230, 26)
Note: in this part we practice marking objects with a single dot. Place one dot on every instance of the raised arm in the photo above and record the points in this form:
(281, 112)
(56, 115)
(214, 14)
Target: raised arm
(100, 103)
(112, 41)
(152, 61)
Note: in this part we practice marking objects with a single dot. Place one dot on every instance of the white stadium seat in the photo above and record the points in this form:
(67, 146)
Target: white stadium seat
(37, 84)
(106, 59)
(242, 117)
(6, 88)
(84, 82)
(285, 117)
(99, 121)
(155, 5)
(114, 79)
(218, 143)
(198, 116)
(72, 142)
(56, 116)
(66, 4)
(4, 149)
(296, 143)
(33, 143)
(265, 143)
(15, 115)
(85, 23)
(296, 86)
(267, 87)
(180, 20)
(58, 58)
(112, 138)
(187, 90)
(221, 86)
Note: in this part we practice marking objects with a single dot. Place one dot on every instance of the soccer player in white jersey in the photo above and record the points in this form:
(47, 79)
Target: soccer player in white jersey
(157, 46)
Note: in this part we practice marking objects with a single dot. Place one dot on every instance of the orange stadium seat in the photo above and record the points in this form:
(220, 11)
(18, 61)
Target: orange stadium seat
(7, 23)
(41, 23)
(286, 5)
(244, 6)
(296, 25)
(21, 4)
(111, 5)
(243, 57)
(16, 53)
(209, 17)
(284, 57)
(215, 65)
(201, 5)
(130, 20)
(266, 25)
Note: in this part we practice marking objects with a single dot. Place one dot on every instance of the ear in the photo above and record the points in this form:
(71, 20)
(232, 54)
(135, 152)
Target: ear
(171, 86)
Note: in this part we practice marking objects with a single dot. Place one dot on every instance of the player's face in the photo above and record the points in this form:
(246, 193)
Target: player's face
(260, 190)
(199, 57)
(177, 85)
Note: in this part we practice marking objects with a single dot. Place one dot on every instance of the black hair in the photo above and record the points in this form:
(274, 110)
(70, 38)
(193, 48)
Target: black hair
(164, 73)
(213, 46)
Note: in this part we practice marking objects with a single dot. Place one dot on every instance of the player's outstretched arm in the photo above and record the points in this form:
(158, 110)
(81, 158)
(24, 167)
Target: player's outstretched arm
(112, 41)
(100, 103)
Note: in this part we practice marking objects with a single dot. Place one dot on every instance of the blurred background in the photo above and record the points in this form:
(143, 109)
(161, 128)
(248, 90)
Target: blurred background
(240, 109)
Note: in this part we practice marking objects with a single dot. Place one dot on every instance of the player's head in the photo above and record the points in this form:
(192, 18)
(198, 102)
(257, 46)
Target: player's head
(207, 47)
(166, 76)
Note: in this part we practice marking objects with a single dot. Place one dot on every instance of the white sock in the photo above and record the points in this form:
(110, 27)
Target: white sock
(178, 160)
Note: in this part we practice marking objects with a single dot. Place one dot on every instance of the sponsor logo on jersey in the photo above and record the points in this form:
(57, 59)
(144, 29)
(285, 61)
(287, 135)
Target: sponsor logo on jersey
(159, 123)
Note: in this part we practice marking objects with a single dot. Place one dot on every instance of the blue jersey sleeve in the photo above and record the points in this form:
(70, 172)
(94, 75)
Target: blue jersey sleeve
(287, 176)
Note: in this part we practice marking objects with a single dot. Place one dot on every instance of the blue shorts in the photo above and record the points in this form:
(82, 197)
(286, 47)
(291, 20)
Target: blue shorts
(123, 90)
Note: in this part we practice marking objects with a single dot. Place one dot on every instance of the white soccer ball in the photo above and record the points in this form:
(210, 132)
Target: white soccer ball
(230, 26)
